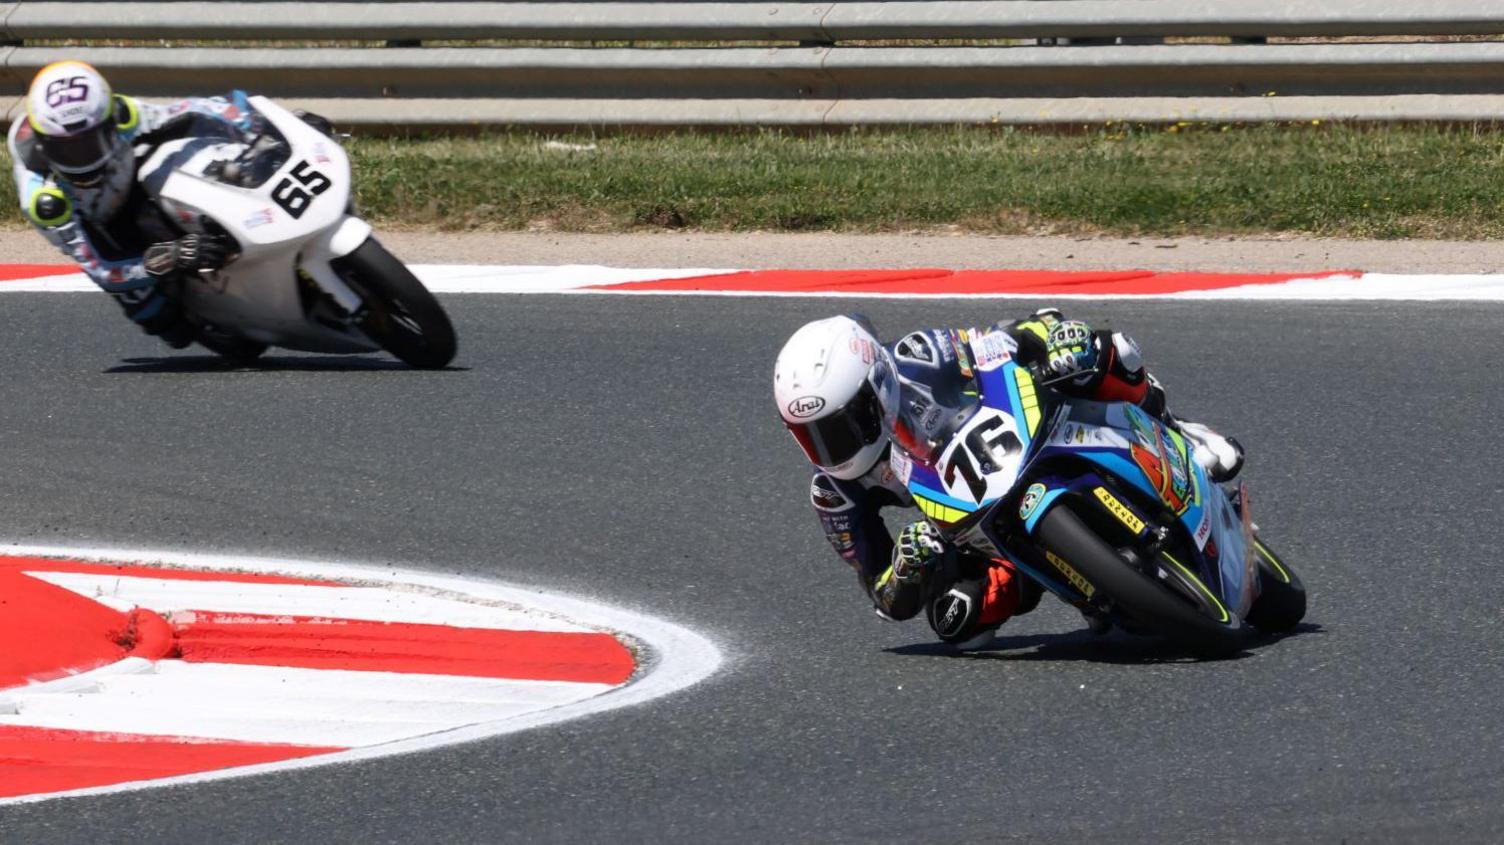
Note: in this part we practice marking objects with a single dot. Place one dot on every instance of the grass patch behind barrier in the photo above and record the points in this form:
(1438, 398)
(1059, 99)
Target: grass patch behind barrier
(1327, 179)
(1371, 182)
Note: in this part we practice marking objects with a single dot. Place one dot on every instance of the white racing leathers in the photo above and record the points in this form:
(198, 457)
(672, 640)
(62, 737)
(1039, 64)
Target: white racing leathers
(106, 230)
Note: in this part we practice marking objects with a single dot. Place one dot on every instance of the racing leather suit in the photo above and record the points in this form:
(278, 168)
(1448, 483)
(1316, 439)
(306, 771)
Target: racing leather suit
(109, 244)
(966, 596)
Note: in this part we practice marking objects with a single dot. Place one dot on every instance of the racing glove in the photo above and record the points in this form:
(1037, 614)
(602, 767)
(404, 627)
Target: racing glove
(187, 254)
(1070, 348)
(918, 550)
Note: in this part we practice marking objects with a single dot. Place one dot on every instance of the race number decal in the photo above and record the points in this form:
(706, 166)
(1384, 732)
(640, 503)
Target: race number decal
(74, 89)
(294, 197)
(982, 458)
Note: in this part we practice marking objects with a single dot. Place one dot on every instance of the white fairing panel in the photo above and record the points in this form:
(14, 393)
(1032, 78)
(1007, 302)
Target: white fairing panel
(992, 429)
(297, 216)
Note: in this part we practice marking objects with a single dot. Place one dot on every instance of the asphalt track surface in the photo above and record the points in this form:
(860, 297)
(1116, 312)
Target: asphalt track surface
(627, 449)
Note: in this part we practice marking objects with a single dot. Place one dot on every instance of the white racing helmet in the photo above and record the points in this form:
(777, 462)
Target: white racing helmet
(837, 392)
(78, 123)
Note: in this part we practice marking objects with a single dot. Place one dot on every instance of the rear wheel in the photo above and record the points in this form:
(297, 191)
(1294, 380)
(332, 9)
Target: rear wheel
(1177, 604)
(401, 315)
(1282, 597)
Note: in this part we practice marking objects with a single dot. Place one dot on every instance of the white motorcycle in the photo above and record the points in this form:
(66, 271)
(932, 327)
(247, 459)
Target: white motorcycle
(306, 273)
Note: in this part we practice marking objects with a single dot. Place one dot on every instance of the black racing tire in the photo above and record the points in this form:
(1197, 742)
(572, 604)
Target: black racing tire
(1204, 627)
(401, 315)
(231, 347)
(1282, 597)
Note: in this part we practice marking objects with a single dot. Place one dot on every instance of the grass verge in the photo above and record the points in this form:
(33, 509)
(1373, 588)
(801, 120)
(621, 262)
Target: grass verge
(1331, 180)
(1324, 179)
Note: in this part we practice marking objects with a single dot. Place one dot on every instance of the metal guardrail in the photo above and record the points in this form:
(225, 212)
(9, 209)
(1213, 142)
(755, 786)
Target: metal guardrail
(668, 20)
(834, 75)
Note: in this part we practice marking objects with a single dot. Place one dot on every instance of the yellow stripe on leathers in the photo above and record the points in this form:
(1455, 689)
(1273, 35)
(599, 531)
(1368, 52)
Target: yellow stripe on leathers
(1035, 328)
(1028, 397)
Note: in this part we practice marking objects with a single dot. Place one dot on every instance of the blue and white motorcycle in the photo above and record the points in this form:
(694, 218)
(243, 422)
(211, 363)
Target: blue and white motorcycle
(1100, 503)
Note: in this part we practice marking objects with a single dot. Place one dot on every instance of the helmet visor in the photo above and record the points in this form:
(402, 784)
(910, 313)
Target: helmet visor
(835, 439)
(81, 158)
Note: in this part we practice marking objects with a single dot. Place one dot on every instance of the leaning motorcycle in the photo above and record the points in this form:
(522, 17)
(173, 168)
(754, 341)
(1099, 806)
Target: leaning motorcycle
(1099, 502)
(305, 272)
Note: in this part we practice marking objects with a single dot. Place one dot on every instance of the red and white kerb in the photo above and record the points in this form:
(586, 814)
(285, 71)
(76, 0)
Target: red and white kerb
(113, 674)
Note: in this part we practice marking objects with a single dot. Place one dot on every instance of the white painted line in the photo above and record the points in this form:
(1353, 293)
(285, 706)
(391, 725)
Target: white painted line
(459, 278)
(672, 659)
(165, 595)
(1369, 287)
(62, 283)
(448, 278)
(578, 279)
(287, 706)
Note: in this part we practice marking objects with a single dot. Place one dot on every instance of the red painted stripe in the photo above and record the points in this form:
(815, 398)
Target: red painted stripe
(42, 564)
(314, 643)
(35, 761)
(962, 282)
(16, 272)
(47, 632)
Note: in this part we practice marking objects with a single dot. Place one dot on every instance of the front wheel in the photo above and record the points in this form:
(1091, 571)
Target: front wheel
(401, 315)
(1282, 597)
(1179, 605)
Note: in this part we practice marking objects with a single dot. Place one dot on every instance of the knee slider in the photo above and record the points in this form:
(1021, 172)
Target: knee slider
(954, 614)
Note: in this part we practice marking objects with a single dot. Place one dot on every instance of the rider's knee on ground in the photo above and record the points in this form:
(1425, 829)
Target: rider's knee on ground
(970, 607)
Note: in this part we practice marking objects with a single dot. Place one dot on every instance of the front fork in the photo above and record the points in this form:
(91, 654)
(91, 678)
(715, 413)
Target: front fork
(337, 242)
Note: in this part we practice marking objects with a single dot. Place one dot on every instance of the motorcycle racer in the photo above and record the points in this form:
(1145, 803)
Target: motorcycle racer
(846, 397)
(76, 158)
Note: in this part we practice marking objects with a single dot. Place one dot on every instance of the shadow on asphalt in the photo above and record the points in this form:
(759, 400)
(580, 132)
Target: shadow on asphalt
(1117, 647)
(271, 363)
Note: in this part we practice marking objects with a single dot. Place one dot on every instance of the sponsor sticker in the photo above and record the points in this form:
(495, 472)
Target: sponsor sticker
(901, 464)
(806, 406)
(1203, 531)
(863, 347)
(962, 362)
(824, 495)
(1070, 574)
(1119, 510)
(1032, 497)
(991, 350)
(261, 218)
(947, 352)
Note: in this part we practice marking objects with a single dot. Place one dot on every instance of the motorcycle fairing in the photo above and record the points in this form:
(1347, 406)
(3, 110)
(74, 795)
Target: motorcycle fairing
(294, 222)
(1122, 439)
(990, 443)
